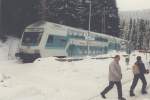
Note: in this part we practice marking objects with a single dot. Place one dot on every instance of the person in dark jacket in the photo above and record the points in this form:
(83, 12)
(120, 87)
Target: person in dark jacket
(115, 76)
(139, 75)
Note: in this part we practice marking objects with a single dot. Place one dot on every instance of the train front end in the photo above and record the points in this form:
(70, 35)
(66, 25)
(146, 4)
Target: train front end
(29, 48)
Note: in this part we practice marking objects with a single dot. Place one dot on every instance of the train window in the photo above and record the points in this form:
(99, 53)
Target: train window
(101, 39)
(50, 39)
(56, 41)
(31, 38)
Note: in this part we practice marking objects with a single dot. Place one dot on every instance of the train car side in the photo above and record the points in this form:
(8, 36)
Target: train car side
(44, 39)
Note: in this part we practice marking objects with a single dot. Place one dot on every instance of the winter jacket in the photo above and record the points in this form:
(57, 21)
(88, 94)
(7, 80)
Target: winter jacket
(141, 66)
(115, 73)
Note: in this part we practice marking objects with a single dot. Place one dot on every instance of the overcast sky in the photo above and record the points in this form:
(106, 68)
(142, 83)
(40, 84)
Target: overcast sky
(126, 5)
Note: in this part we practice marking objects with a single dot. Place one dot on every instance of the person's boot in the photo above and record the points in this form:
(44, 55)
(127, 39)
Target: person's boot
(132, 94)
(144, 92)
(122, 98)
(103, 95)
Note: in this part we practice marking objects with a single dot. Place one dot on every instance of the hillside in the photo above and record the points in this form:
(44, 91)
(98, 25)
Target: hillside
(141, 14)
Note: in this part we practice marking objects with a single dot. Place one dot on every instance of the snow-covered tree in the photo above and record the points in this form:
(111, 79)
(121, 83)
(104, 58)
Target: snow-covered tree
(137, 32)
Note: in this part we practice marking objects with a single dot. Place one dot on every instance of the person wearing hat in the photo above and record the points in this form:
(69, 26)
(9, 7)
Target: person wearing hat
(139, 71)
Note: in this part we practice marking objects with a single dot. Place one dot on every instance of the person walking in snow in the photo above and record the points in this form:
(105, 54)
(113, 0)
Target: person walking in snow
(115, 76)
(139, 71)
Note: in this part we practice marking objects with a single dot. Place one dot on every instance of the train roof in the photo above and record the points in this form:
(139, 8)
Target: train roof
(46, 25)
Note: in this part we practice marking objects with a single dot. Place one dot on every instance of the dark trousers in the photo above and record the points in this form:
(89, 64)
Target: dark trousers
(111, 85)
(135, 81)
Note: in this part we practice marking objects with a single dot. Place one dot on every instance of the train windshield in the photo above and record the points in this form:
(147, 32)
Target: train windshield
(31, 38)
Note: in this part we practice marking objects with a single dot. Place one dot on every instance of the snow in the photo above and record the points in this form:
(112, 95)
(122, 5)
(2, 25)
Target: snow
(50, 79)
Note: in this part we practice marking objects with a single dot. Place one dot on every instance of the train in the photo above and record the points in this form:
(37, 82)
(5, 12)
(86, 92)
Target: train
(45, 39)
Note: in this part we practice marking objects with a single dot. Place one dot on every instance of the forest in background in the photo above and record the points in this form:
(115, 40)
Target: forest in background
(135, 27)
(17, 14)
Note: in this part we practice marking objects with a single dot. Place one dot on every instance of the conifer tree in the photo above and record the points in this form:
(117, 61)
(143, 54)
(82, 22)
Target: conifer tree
(104, 14)
(19, 13)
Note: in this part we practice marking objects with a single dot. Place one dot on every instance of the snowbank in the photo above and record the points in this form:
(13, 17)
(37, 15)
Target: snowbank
(50, 79)
(8, 49)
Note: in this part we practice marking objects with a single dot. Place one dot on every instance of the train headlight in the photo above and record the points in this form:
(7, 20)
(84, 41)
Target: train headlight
(36, 51)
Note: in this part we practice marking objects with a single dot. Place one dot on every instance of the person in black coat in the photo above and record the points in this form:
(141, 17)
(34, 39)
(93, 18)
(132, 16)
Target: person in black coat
(139, 75)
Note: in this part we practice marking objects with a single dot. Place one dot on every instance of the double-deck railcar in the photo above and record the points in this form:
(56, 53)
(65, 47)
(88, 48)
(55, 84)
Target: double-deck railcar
(44, 39)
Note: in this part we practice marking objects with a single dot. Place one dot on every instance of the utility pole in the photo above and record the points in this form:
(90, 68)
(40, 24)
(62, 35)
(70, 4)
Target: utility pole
(103, 21)
(89, 27)
(104, 17)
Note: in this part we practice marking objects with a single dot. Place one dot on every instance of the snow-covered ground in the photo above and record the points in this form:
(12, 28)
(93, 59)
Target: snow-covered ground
(49, 79)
